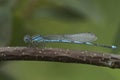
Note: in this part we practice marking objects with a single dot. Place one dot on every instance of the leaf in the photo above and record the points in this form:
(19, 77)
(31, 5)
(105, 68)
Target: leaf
(61, 13)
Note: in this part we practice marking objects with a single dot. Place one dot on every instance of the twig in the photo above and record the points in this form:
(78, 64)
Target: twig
(60, 55)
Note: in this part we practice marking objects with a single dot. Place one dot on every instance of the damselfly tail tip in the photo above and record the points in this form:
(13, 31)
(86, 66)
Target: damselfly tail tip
(113, 47)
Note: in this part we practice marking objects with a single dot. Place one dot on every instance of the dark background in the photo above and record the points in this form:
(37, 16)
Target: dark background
(21, 17)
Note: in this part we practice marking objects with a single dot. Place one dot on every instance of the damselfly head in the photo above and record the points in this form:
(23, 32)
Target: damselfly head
(27, 38)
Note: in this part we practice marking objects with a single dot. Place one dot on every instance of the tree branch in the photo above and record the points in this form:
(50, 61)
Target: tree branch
(60, 55)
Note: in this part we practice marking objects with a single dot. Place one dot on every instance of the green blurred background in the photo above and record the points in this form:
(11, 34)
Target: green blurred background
(21, 17)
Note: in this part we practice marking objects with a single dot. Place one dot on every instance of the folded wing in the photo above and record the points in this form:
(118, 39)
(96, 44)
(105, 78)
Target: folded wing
(81, 37)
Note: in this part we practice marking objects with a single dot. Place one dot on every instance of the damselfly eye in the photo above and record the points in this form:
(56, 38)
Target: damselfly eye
(27, 38)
